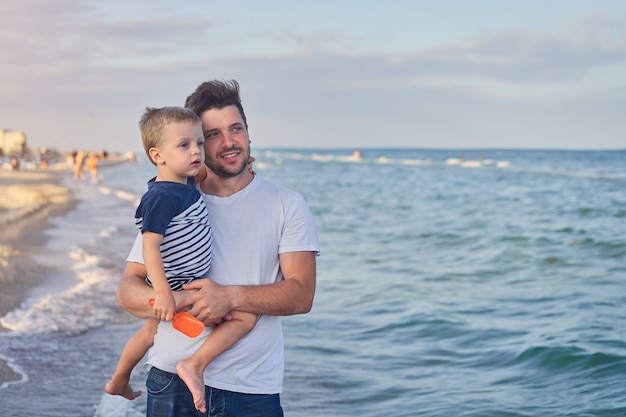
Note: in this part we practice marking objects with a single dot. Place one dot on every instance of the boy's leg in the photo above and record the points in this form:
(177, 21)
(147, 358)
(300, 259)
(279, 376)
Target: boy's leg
(168, 396)
(133, 352)
(222, 338)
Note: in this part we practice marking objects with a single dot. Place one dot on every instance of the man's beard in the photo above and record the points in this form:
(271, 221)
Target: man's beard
(228, 171)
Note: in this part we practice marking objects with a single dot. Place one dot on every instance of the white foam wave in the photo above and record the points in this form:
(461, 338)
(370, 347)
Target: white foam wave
(358, 159)
(121, 194)
(90, 303)
(114, 406)
(109, 231)
(476, 163)
(261, 165)
(15, 368)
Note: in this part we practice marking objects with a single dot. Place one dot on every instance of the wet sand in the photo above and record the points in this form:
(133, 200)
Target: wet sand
(27, 200)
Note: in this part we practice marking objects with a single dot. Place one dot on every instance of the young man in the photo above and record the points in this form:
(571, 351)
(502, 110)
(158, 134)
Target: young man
(263, 263)
(176, 245)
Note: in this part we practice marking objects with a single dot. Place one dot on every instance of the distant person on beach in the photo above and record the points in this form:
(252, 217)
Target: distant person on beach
(264, 262)
(15, 163)
(92, 165)
(177, 245)
(79, 162)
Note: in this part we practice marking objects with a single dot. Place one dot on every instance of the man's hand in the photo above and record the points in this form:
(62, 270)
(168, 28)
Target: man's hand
(206, 300)
(212, 303)
(250, 162)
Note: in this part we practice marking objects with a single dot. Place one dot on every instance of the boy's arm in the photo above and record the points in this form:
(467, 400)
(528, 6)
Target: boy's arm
(164, 305)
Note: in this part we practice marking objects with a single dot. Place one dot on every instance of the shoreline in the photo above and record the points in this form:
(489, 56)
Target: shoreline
(28, 200)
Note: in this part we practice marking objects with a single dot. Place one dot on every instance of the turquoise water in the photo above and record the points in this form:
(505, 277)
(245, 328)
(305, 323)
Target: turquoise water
(450, 284)
(445, 290)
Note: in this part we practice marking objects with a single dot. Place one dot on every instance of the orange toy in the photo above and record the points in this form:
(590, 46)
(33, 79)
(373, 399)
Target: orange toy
(185, 323)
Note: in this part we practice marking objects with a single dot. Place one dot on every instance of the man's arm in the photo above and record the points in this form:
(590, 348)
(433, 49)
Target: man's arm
(293, 295)
(133, 292)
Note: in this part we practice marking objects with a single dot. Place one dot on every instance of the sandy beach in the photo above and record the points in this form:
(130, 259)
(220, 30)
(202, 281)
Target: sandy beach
(28, 199)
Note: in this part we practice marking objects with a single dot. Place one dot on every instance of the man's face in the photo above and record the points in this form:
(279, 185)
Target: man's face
(226, 145)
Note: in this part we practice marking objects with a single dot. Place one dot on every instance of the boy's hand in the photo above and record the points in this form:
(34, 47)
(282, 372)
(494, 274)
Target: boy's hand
(164, 306)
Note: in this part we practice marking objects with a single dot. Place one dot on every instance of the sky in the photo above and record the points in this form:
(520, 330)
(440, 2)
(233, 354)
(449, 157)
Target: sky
(533, 74)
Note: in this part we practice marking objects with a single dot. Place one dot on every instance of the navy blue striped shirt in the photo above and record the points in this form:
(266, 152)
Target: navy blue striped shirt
(177, 211)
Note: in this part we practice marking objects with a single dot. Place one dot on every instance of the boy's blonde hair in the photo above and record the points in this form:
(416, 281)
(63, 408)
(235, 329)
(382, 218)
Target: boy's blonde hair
(154, 120)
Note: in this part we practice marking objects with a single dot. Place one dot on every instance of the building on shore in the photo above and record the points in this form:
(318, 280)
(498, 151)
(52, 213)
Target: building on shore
(12, 141)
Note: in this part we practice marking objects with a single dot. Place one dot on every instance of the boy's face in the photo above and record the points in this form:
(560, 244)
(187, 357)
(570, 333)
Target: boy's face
(181, 152)
(226, 141)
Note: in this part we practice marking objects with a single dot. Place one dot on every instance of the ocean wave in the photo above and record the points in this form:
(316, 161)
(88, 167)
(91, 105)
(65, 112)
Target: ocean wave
(85, 305)
(115, 405)
(80, 270)
(385, 160)
(121, 194)
(16, 369)
(567, 358)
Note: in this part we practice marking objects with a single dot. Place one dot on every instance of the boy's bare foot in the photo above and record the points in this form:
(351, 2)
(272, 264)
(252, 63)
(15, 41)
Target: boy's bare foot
(124, 390)
(192, 377)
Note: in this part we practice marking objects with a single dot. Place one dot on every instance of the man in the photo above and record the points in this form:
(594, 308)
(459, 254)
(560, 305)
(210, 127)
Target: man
(265, 245)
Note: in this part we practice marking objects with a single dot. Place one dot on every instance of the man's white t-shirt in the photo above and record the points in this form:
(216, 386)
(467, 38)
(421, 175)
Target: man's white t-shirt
(250, 229)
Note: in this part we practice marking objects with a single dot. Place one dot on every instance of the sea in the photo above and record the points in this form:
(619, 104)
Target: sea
(474, 283)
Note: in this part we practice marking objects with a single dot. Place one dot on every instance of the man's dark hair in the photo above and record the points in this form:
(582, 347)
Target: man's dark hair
(216, 94)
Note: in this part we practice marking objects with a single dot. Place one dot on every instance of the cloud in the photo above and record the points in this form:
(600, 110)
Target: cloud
(78, 44)
(524, 57)
(81, 62)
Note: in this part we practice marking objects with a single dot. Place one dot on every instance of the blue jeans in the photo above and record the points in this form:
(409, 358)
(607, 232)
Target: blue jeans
(168, 396)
